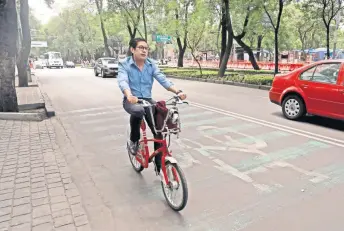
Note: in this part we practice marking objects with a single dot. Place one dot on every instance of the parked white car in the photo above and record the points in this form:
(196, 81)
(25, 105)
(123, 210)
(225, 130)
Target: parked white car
(39, 64)
(70, 64)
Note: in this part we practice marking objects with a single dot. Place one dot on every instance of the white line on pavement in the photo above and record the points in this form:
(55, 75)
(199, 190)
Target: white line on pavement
(89, 109)
(325, 139)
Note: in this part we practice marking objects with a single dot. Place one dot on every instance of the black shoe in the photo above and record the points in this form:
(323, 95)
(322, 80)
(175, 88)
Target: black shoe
(157, 169)
(132, 147)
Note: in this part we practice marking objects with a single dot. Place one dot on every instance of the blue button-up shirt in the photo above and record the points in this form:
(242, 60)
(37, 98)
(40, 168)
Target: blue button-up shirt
(140, 82)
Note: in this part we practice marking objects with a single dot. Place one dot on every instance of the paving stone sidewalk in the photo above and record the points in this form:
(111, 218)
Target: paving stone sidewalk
(37, 191)
(29, 95)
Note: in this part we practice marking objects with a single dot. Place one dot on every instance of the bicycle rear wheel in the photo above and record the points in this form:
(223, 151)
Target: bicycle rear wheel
(136, 165)
(175, 186)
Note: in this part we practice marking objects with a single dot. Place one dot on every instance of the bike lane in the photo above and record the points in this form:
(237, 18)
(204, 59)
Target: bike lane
(243, 174)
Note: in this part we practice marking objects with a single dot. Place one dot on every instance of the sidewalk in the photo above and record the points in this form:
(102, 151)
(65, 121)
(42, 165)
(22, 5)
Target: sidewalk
(37, 191)
(29, 97)
(36, 188)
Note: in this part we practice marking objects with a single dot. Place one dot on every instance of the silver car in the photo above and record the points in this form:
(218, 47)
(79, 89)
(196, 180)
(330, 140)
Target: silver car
(106, 66)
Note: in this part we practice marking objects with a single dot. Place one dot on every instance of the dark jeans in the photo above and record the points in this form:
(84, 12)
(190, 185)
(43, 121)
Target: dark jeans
(137, 112)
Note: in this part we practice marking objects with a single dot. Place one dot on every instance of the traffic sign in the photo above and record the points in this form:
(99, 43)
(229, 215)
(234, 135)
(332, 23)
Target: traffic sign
(163, 38)
(39, 44)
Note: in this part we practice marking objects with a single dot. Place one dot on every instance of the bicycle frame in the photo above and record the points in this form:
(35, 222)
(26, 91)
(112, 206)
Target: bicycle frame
(147, 157)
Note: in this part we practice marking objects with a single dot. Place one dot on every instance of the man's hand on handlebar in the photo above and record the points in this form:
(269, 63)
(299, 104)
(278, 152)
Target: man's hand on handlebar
(182, 95)
(132, 99)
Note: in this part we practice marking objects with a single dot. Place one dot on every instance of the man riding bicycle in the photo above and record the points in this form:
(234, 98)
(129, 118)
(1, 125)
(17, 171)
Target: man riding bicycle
(136, 75)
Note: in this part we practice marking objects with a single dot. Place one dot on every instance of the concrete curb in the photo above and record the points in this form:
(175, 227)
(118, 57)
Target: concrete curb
(241, 71)
(31, 106)
(49, 109)
(226, 82)
(22, 116)
(32, 116)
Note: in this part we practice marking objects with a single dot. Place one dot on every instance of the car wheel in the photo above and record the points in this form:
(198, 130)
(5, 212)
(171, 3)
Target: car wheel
(293, 107)
(95, 72)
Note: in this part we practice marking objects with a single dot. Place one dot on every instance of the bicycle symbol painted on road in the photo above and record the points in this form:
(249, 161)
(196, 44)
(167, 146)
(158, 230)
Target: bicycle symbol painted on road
(261, 162)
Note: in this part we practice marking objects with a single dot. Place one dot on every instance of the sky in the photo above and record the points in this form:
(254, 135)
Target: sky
(43, 13)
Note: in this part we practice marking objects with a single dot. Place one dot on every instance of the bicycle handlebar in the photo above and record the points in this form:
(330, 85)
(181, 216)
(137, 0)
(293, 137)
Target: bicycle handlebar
(144, 102)
(176, 100)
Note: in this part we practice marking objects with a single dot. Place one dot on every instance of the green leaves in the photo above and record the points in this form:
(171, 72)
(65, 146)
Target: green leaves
(77, 28)
(74, 32)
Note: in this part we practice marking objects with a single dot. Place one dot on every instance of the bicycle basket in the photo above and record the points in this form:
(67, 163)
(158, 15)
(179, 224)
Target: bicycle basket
(166, 120)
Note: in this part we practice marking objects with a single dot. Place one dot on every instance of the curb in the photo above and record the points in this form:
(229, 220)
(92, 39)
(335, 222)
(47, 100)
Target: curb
(49, 109)
(22, 116)
(225, 82)
(31, 106)
(241, 71)
(34, 116)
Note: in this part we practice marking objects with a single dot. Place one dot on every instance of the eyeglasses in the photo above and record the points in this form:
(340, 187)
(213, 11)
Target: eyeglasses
(143, 48)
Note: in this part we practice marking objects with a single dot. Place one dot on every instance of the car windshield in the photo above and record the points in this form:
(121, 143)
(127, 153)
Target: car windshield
(55, 55)
(111, 61)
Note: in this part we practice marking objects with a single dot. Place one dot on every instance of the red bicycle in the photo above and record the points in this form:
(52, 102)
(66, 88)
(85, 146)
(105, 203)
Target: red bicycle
(172, 178)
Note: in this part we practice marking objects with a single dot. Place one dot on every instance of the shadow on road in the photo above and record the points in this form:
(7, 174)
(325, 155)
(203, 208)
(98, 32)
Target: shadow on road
(318, 121)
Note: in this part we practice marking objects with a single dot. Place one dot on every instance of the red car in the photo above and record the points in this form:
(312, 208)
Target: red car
(316, 89)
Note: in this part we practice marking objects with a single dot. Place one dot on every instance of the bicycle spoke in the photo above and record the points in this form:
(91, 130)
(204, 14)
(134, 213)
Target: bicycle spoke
(173, 188)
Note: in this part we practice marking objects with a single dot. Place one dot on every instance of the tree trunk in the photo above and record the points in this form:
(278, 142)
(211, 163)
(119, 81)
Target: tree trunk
(312, 42)
(22, 63)
(195, 58)
(132, 35)
(223, 65)
(106, 45)
(328, 41)
(259, 46)
(144, 18)
(250, 53)
(99, 4)
(223, 33)
(180, 58)
(182, 49)
(303, 48)
(276, 29)
(226, 55)
(198, 63)
(303, 53)
(218, 49)
(276, 51)
(8, 49)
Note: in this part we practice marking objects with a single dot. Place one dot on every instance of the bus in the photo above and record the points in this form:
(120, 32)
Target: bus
(53, 59)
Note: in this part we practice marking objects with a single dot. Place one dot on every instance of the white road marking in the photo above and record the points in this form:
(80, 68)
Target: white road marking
(89, 109)
(325, 139)
(235, 172)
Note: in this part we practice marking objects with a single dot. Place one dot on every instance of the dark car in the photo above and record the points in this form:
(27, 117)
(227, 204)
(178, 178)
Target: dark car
(106, 66)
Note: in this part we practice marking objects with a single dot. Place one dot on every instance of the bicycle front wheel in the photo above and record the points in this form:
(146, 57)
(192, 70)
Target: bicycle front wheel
(177, 184)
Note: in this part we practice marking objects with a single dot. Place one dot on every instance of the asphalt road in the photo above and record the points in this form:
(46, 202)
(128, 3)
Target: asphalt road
(247, 167)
